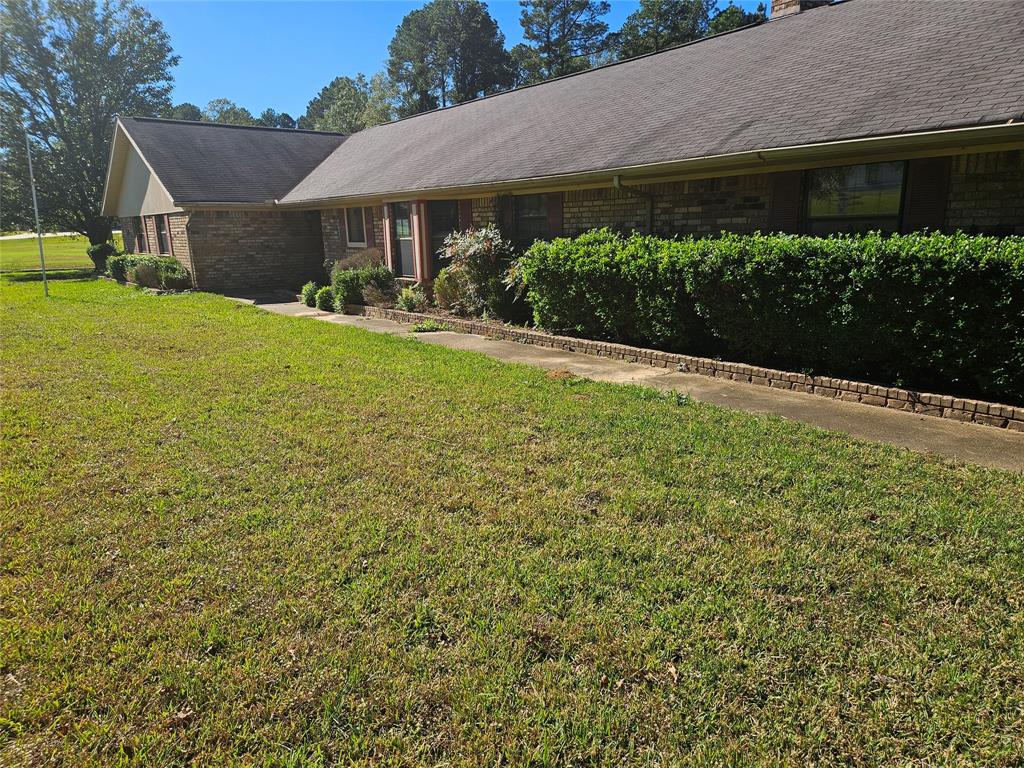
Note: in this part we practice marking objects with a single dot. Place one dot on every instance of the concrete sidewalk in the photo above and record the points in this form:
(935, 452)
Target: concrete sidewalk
(987, 446)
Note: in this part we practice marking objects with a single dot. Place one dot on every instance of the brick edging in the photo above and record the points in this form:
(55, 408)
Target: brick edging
(943, 406)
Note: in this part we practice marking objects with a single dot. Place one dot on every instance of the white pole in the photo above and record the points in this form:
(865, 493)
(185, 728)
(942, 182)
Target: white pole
(35, 206)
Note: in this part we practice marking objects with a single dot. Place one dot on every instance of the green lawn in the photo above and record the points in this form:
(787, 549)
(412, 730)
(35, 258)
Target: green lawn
(230, 537)
(61, 252)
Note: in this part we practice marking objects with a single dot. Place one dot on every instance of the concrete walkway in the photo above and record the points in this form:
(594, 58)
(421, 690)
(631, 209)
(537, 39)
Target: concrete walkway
(987, 446)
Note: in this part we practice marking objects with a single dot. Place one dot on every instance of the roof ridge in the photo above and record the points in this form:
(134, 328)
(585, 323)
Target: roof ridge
(214, 124)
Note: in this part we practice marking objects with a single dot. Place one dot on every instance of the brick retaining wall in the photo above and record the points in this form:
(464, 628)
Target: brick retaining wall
(944, 406)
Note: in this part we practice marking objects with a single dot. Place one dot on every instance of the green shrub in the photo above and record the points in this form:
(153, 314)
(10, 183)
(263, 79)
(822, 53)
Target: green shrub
(350, 284)
(99, 254)
(430, 325)
(118, 264)
(603, 286)
(483, 257)
(927, 311)
(325, 298)
(173, 276)
(412, 299)
(308, 293)
(451, 291)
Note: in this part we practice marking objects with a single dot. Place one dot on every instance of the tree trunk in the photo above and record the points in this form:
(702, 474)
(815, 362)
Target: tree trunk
(98, 230)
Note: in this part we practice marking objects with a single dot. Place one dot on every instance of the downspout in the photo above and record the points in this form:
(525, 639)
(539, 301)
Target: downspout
(648, 196)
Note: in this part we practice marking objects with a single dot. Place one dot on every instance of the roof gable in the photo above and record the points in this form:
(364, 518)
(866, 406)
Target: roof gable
(215, 163)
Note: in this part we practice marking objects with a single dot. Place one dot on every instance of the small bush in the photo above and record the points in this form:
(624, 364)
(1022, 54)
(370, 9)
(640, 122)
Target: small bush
(325, 298)
(412, 299)
(379, 286)
(451, 291)
(430, 325)
(308, 293)
(173, 276)
(483, 257)
(118, 264)
(927, 311)
(350, 284)
(99, 254)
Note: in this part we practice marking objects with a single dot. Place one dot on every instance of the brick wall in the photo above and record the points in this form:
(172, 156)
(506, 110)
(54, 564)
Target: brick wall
(485, 211)
(332, 223)
(986, 193)
(707, 206)
(255, 250)
(177, 226)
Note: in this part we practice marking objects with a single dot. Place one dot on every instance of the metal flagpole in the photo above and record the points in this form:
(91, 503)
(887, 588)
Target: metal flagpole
(35, 206)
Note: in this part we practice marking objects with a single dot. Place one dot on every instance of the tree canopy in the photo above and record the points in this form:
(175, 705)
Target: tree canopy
(446, 52)
(732, 17)
(69, 67)
(565, 35)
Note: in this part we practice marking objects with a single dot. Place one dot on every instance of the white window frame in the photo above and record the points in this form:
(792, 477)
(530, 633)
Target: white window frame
(348, 240)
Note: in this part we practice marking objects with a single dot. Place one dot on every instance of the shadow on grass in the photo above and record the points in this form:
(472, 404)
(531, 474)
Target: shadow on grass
(56, 274)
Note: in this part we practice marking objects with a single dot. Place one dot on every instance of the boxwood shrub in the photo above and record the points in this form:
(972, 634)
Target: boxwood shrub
(927, 311)
(349, 283)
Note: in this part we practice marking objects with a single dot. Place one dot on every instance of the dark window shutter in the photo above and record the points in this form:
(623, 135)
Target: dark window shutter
(465, 214)
(787, 202)
(925, 194)
(554, 214)
(370, 235)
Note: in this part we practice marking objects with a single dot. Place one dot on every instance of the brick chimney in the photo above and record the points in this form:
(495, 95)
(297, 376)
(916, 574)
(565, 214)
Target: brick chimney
(784, 7)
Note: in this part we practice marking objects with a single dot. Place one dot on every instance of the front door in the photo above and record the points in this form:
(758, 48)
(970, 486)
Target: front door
(401, 233)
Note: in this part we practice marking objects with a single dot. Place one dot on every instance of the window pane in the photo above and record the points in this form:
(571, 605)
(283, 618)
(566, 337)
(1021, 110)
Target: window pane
(354, 224)
(531, 219)
(852, 191)
(403, 223)
(161, 235)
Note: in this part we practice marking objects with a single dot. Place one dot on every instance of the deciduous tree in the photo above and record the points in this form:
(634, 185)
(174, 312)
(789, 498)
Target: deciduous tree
(68, 67)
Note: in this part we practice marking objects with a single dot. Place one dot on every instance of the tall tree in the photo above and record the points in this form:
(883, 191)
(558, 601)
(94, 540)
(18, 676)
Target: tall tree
(226, 111)
(380, 102)
(732, 17)
(271, 118)
(565, 34)
(185, 111)
(338, 106)
(447, 52)
(660, 24)
(68, 67)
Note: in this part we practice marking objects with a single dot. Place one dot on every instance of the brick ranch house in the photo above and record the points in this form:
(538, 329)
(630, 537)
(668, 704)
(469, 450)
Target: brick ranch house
(841, 117)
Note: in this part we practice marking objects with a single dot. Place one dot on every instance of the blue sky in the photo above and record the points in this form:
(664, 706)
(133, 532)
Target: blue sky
(280, 54)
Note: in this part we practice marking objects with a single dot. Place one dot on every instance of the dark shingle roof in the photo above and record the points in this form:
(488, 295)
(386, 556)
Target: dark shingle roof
(856, 69)
(210, 162)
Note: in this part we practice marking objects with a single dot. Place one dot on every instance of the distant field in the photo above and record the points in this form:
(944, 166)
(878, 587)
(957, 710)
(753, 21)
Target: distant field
(60, 253)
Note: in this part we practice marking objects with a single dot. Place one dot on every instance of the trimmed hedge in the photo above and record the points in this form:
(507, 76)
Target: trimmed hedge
(149, 271)
(929, 311)
(349, 283)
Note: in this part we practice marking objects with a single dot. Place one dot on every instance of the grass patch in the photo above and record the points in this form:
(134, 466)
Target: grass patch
(230, 537)
(60, 252)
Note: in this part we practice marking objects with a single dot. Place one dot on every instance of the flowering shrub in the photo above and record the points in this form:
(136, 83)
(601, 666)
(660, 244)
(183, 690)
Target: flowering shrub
(480, 258)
